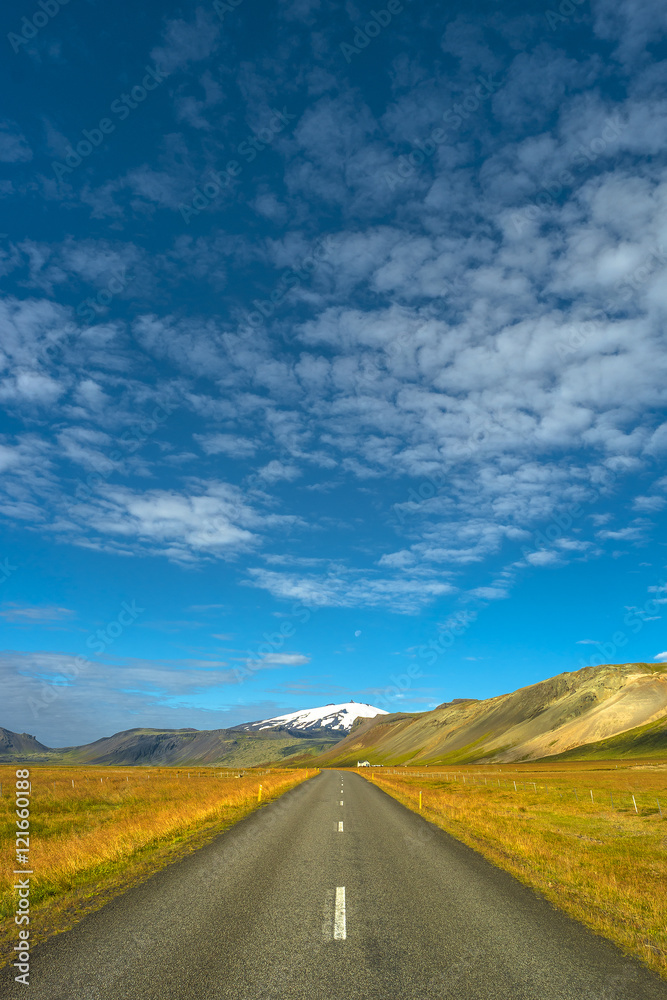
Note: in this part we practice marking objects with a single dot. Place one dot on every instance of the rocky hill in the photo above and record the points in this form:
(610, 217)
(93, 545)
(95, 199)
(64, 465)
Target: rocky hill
(551, 717)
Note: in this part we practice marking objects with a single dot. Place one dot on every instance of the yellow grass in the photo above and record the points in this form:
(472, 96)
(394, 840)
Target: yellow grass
(112, 828)
(606, 867)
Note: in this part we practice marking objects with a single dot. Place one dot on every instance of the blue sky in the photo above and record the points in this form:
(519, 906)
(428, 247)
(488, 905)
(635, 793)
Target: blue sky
(333, 355)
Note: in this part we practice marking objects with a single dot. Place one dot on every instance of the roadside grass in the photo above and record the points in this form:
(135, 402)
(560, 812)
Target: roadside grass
(113, 828)
(605, 866)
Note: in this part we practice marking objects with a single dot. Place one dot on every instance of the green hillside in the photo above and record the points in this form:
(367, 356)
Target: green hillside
(644, 741)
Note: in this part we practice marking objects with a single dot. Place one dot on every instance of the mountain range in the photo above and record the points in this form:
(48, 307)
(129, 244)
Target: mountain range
(615, 710)
(305, 733)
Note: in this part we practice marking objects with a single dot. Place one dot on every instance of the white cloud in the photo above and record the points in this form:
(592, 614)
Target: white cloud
(14, 147)
(213, 521)
(285, 660)
(543, 557)
(8, 457)
(276, 471)
(34, 614)
(186, 42)
(226, 444)
(649, 503)
(404, 595)
(573, 545)
(631, 533)
(32, 388)
(489, 593)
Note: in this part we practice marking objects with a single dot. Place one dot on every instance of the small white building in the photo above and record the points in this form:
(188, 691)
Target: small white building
(363, 763)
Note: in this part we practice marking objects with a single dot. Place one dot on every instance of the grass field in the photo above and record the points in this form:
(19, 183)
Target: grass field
(96, 831)
(603, 860)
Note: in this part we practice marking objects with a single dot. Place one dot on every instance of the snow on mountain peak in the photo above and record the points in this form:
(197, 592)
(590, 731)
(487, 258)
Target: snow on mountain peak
(339, 718)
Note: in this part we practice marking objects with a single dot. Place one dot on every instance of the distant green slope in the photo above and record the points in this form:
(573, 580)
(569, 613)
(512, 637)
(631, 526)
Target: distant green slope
(644, 741)
(171, 748)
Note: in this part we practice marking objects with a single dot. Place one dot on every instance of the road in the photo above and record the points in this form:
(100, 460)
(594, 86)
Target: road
(333, 892)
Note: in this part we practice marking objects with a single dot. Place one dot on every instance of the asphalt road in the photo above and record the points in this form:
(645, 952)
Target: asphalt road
(288, 905)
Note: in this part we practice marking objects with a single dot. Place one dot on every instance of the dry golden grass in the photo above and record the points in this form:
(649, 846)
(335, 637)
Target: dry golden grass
(112, 828)
(606, 867)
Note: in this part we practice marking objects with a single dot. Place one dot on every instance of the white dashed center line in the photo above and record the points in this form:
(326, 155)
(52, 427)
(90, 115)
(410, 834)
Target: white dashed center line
(341, 801)
(340, 932)
(340, 826)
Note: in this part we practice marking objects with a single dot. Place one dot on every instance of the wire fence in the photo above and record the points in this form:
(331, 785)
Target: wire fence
(641, 802)
(66, 782)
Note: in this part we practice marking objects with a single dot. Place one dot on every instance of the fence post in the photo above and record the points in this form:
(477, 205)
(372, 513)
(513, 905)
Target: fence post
(635, 805)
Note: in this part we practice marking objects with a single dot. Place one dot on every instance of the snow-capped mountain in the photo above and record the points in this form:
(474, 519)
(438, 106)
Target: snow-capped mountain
(336, 719)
